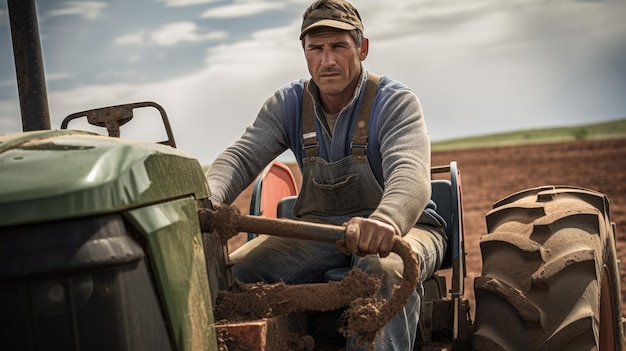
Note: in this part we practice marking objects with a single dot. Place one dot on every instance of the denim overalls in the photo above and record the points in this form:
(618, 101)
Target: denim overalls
(333, 192)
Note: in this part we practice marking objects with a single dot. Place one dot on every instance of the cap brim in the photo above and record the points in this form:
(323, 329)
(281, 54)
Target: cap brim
(328, 23)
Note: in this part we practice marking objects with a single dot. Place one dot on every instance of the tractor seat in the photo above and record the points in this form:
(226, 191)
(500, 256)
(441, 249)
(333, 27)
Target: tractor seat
(275, 189)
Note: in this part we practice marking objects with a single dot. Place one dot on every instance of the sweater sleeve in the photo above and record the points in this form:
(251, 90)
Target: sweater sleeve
(239, 164)
(405, 155)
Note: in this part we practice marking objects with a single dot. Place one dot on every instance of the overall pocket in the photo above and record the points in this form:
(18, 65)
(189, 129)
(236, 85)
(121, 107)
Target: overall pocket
(340, 196)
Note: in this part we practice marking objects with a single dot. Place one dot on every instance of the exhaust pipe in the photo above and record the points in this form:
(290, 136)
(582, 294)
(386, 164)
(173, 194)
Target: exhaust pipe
(31, 80)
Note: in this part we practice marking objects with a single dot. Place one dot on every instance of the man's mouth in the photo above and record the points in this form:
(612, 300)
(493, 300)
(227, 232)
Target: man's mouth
(329, 73)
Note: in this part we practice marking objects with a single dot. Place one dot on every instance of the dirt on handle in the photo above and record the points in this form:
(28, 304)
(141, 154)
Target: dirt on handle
(222, 220)
(261, 300)
(366, 315)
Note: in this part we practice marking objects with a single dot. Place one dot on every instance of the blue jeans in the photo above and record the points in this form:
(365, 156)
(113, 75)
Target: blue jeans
(273, 259)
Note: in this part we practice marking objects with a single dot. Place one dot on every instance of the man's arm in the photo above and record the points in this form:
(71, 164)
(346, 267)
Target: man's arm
(405, 153)
(405, 149)
(237, 166)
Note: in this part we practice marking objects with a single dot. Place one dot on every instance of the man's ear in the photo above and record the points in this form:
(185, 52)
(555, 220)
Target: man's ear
(365, 47)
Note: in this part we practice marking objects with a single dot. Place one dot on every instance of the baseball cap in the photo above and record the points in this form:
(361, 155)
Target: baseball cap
(331, 13)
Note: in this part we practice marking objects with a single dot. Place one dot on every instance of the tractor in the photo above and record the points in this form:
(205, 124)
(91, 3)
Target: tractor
(108, 243)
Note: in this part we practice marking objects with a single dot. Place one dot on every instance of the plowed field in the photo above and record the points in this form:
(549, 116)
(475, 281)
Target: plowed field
(489, 174)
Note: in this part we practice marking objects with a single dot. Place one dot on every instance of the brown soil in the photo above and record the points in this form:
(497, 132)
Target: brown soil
(489, 174)
(244, 302)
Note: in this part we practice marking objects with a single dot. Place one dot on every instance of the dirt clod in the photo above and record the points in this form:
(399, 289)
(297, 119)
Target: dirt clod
(261, 300)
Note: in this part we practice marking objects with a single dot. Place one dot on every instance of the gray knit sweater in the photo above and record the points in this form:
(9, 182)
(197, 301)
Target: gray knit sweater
(398, 147)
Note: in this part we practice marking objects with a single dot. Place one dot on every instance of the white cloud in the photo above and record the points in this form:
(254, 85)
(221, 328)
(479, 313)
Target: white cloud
(87, 9)
(10, 120)
(182, 3)
(399, 18)
(7, 83)
(131, 39)
(119, 75)
(174, 33)
(59, 76)
(241, 9)
(169, 35)
(4, 18)
(134, 58)
(263, 49)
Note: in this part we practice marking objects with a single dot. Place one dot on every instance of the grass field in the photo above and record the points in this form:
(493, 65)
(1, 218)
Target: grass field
(606, 130)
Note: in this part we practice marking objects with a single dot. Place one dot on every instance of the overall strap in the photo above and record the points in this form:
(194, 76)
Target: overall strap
(309, 137)
(358, 145)
(359, 138)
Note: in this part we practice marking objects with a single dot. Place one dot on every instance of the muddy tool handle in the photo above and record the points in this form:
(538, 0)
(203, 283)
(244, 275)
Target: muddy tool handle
(227, 222)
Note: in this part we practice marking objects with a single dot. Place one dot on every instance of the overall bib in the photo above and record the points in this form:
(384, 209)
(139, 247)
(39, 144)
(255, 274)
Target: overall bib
(332, 192)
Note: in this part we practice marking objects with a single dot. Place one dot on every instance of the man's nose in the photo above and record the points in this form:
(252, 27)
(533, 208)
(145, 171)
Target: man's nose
(328, 58)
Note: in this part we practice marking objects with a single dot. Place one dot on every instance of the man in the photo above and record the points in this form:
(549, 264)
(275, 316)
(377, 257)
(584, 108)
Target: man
(363, 149)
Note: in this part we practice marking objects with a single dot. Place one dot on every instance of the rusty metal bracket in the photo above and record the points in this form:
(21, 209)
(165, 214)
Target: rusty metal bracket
(112, 117)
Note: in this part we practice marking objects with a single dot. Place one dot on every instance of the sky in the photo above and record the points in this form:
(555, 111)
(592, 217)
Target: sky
(478, 66)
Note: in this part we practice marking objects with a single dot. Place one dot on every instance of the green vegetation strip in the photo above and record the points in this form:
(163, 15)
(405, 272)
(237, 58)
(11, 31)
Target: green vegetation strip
(606, 130)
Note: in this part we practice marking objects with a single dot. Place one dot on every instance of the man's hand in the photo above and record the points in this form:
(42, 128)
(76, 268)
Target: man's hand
(367, 236)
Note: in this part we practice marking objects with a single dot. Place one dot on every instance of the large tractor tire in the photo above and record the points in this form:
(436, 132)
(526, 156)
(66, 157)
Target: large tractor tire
(550, 275)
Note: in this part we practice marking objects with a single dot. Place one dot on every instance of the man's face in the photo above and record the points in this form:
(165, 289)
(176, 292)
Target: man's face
(334, 60)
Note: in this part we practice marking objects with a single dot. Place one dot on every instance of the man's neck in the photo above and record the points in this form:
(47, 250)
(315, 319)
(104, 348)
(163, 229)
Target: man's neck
(333, 104)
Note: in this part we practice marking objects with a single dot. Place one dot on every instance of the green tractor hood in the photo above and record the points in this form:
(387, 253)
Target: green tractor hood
(60, 174)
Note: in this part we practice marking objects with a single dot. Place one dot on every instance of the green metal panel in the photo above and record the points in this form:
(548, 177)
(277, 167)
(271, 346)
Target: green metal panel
(177, 258)
(52, 175)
